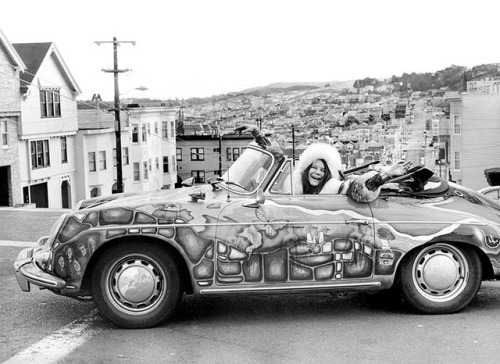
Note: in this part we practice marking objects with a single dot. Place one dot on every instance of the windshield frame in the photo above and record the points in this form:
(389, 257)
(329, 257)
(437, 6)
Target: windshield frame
(229, 187)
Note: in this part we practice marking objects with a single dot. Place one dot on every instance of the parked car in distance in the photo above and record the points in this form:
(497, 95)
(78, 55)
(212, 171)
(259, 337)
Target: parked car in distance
(246, 232)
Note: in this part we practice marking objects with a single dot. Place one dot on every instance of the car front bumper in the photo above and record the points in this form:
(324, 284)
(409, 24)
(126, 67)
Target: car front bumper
(27, 272)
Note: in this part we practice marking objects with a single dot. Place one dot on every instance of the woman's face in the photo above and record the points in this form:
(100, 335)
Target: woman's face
(316, 173)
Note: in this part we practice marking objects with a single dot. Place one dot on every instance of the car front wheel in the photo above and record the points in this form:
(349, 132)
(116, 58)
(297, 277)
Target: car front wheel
(441, 278)
(136, 285)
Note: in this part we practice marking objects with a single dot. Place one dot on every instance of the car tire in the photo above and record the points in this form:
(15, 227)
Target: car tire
(136, 285)
(440, 278)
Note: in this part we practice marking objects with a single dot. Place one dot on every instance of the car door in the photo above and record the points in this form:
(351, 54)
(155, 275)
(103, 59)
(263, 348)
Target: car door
(294, 240)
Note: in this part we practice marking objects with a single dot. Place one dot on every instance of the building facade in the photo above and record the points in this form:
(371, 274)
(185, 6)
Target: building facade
(11, 65)
(474, 131)
(152, 147)
(207, 156)
(47, 128)
(95, 147)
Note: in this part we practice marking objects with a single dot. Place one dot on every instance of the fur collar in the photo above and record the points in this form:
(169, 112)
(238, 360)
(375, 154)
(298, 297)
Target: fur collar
(324, 151)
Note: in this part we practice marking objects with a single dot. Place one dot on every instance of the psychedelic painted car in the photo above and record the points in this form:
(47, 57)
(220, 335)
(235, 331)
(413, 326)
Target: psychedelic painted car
(247, 233)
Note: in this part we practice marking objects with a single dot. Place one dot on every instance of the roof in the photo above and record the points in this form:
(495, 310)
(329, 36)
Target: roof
(34, 54)
(11, 52)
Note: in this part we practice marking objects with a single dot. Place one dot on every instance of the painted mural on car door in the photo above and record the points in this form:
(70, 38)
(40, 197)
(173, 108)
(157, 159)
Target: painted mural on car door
(316, 239)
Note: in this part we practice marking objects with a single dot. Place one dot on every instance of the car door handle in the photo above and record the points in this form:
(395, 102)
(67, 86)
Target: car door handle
(361, 222)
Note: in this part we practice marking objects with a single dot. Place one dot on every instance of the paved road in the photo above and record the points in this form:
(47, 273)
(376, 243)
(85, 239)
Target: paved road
(26, 225)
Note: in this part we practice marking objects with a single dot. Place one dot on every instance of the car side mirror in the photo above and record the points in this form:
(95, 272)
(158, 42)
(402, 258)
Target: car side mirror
(188, 182)
(197, 194)
(259, 200)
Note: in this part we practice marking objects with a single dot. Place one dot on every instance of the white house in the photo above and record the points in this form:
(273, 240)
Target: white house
(96, 149)
(152, 147)
(47, 127)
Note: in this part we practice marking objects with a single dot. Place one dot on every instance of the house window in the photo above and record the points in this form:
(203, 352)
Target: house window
(40, 155)
(173, 163)
(102, 160)
(150, 166)
(457, 124)
(137, 172)
(156, 128)
(144, 134)
(164, 126)
(145, 165)
(50, 103)
(457, 160)
(64, 150)
(228, 154)
(157, 163)
(135, 134)
(4, 133)
(236, 153)
(197, 154)
(165, 165)
(172, 129)
(92, 165)
(178, 154)
(199, 176)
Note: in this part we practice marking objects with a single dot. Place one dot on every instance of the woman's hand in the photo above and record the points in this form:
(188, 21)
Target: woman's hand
(246, 128)
(399, 169)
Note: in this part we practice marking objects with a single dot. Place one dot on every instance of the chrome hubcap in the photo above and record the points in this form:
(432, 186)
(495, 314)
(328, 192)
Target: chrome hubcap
(440, 272)
(135, 285)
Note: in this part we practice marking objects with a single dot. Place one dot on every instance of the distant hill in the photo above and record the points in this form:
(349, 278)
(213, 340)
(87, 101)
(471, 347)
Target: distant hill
(295, 86)
(451, 78)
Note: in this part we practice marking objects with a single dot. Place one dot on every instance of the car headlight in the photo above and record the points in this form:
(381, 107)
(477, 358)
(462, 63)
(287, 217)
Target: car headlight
(42, 253)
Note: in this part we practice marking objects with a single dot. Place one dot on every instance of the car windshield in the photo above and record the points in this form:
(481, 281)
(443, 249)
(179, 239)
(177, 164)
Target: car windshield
(248, 171)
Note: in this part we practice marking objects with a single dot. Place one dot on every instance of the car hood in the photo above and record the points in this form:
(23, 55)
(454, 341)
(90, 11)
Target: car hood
(132, 199)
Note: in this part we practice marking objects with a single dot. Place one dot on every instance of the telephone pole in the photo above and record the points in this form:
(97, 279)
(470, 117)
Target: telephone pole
(118, 127)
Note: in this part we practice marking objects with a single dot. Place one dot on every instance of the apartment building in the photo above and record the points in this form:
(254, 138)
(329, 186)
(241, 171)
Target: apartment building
(206, 156)
(474, 146)
(11, 65)
(47, 127)
(152, 147)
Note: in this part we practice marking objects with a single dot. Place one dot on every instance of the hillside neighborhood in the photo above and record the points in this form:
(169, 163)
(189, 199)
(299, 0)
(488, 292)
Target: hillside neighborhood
(57, 150)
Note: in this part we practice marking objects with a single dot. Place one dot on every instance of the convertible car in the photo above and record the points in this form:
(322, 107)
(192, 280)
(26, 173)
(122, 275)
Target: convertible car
(247, 232)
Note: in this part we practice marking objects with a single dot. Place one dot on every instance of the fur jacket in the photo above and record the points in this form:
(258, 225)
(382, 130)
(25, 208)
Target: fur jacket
(353, 186)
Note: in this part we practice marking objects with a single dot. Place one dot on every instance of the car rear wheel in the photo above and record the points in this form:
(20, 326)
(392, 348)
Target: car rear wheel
(441, 278)
(136, 285)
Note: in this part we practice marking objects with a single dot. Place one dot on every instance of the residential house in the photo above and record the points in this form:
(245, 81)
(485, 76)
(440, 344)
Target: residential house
(153, 147)
(95, 147)
(11, 65)
(363, 131)
(47, 127)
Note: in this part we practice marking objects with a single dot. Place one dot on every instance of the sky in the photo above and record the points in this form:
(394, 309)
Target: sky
(201, 48)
